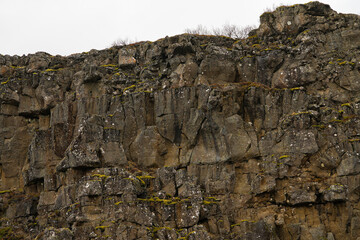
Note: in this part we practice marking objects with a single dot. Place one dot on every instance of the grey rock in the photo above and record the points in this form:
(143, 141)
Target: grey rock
(348, 166)
(335, 193)
(57, 234)
(300, 196)
(188, 137)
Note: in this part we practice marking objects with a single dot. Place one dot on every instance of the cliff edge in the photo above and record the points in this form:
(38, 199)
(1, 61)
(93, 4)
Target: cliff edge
(188, 137)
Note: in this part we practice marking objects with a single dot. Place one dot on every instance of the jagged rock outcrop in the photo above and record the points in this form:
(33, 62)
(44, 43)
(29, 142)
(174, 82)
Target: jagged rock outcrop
(188, 137)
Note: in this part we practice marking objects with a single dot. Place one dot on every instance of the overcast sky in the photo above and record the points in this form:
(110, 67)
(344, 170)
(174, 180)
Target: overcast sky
(69, 26)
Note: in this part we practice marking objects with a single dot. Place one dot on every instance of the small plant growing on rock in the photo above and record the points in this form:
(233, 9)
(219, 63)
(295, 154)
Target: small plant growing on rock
(5, 191)
(102, 228)
(122, 42)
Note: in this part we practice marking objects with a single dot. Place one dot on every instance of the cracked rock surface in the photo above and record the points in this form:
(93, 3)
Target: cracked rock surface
(188, 137)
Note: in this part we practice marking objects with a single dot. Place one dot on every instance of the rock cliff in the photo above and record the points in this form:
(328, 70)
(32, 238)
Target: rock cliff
(188, 137)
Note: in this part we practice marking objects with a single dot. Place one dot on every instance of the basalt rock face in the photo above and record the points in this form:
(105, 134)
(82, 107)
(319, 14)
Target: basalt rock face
(188, 137)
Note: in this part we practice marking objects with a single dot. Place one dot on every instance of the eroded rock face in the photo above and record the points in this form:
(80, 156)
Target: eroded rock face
(189, 137)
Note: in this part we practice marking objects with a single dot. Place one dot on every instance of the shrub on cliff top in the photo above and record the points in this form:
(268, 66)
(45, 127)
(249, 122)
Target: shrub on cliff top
(228, 30)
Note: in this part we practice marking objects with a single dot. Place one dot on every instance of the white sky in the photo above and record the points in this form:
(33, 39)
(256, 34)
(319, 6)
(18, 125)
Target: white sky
(69, 26)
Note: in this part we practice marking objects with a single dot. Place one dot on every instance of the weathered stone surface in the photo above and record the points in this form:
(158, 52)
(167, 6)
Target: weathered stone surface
(188, 137)
(335, 193)
(47, 199)
(217, 69)
(126, 57)
(89, 188)
(125, 61)
(349, 166)
(148, 148)
(57, 234)
(119, 186)
(301, 195)
(37, 154)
